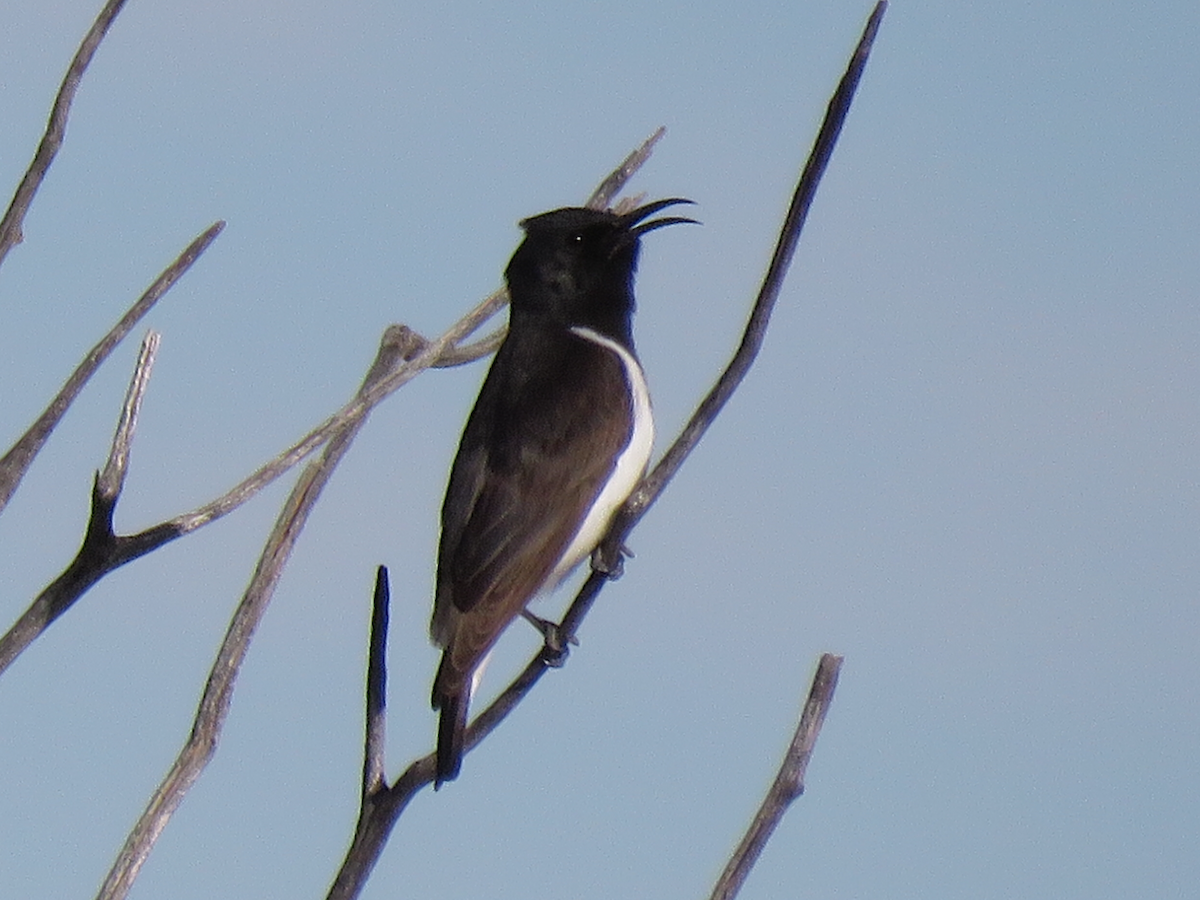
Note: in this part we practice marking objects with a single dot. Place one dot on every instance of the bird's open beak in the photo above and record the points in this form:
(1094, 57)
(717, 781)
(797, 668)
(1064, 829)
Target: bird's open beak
(637, 225)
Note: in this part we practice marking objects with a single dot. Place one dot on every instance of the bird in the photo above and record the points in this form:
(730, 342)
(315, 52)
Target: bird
(559, 436)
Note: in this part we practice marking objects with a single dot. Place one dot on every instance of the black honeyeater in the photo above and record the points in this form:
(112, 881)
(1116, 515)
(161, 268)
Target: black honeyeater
(558, 438)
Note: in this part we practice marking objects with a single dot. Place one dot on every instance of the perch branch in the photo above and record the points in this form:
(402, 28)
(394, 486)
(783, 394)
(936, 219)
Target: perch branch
(382, 807)
(56, 129)
(606, 561)
(402, 356)
(756, 328)
(418, 355)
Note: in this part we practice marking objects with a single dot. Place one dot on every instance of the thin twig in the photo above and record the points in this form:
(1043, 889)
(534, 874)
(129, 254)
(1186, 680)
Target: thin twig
(611, 186)
(788, 783)
(421, 355)
(15, 463)
(469, 353)
(382, 808)
(376, 724)
(56, 129)
(112, 478)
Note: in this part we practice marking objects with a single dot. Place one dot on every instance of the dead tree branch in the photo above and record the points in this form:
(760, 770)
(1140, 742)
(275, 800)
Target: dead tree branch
(102, 549)
(56, 129)
(603, 196)
(112, 478)
(382, 805)
(214, 706)
(402, 356)
(88, 568)
(15, 463)
(760, 316)
(376, 722)
(789, 780)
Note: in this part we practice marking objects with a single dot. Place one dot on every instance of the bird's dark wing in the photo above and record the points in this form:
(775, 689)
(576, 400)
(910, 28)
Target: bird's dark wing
(521, 484)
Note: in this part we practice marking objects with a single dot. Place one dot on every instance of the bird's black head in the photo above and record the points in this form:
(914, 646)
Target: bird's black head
(576, 265)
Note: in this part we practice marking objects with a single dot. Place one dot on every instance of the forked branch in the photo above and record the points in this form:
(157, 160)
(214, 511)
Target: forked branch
(15, 463)
(103, 549)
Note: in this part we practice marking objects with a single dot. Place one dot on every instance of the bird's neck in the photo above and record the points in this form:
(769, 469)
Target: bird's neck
(613, 324)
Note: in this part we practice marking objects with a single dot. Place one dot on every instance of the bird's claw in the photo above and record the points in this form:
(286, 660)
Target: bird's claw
(614, 568)
(554, 649)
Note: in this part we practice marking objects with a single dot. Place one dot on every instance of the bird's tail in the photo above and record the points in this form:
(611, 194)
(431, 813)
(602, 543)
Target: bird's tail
(451, 696)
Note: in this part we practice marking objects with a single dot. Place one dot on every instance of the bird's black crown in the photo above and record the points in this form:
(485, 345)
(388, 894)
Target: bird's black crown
(576, 264)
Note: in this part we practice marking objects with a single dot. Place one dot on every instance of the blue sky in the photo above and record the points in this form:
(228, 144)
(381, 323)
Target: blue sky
(966, 459)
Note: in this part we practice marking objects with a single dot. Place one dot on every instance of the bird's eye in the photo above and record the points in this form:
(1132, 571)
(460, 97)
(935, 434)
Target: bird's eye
(577, 237)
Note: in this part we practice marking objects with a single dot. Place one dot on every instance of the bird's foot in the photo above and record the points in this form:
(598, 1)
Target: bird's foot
(614, 568)
(554, 648)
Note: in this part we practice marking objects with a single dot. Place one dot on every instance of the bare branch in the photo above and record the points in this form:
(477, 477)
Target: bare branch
(213, 709)
(617, 179)
(416, 355)
(15, 463)
(408, 355)
(56, 129)
(381, 808)
(102, 550)
(112, 479)
(402, 357)
(760, 315)
(376, 724)
(459, 356)
(788, 783)
(606, 561)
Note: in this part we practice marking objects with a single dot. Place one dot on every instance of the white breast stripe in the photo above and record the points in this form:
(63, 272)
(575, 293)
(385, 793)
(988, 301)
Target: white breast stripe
(628, 470)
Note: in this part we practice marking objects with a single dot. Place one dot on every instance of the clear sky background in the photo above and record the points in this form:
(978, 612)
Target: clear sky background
(967, 459)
